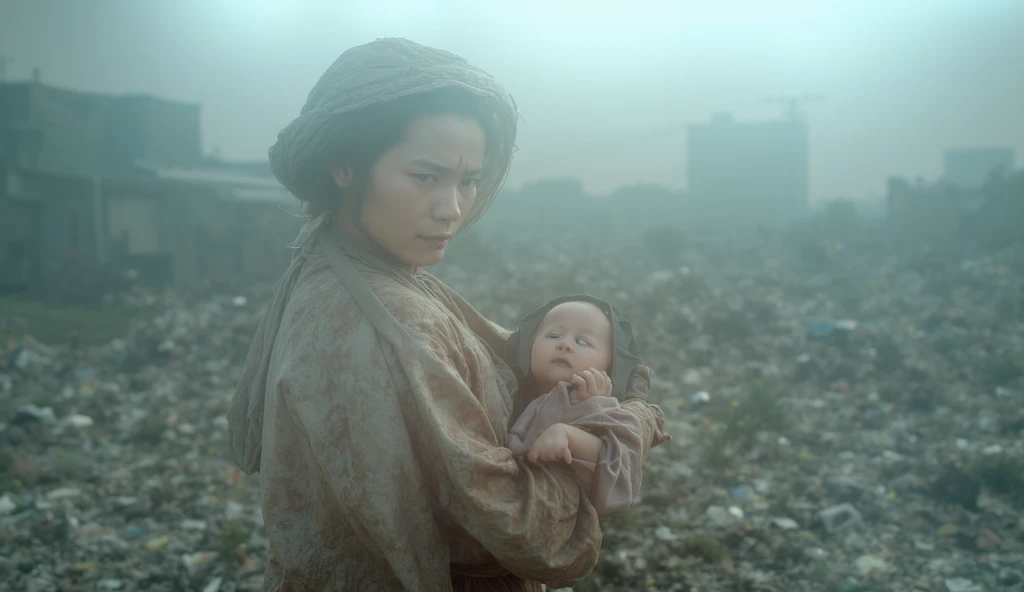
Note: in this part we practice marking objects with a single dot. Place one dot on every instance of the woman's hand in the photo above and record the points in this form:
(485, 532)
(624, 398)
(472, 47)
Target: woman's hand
(592, 383)
(551, 446)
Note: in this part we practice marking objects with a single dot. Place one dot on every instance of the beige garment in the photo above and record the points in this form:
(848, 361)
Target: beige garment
(380, 437)
(612, 483)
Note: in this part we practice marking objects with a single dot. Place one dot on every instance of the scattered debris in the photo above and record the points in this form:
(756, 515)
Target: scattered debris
(839, 518)
(869, 564)
(834, 455)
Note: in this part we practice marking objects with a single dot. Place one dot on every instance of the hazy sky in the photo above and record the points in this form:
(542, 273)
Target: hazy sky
(603, 91)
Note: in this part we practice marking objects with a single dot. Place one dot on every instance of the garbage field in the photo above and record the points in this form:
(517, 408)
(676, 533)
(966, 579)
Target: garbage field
(846, 416)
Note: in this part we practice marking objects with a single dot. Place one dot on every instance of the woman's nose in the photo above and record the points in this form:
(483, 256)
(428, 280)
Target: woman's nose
(447, 207)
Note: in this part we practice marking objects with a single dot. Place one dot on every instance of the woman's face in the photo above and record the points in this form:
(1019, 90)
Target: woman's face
(420, 189)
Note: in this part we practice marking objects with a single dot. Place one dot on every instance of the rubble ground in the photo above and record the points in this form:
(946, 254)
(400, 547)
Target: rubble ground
(846, 416)
(55, 324)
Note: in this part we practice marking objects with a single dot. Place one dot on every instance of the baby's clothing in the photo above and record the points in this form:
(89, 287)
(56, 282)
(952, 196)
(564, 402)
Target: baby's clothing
(615, 479)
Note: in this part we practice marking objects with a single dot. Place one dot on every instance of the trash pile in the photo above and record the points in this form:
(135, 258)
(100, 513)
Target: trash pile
(845, 419)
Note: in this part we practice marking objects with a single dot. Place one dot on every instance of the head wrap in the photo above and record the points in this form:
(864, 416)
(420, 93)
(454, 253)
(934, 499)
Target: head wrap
(382, 71)
(625, 355)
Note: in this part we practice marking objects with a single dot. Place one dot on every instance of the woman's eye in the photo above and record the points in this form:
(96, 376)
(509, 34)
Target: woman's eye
(470, 182)
(425, 177)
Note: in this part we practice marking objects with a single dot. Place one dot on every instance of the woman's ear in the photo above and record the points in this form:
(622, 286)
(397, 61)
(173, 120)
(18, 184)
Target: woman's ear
(342, 175)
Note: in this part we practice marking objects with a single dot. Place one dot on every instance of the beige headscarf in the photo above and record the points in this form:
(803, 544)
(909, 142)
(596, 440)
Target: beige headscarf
(377, 72)
(382, 71)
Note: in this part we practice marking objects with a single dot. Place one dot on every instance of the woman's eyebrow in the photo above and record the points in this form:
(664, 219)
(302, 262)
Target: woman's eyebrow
(440, 169)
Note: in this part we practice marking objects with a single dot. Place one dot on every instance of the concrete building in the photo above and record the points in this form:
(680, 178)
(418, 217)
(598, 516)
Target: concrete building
(174, 228)
(93, 185)
(748, 173)
(63, 131)
(924, 213)
(970, 168)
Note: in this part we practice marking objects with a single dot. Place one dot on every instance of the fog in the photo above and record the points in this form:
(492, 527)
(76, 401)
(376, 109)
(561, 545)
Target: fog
(604, 92)
(810, 213)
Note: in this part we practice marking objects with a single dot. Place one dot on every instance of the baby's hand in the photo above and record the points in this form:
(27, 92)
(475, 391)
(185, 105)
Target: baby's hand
(592, 383)
(551, 446)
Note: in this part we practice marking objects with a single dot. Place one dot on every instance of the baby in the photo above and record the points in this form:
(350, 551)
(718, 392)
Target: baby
(575, 355)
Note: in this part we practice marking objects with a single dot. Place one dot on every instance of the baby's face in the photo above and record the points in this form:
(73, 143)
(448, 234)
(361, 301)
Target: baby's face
(573, 337)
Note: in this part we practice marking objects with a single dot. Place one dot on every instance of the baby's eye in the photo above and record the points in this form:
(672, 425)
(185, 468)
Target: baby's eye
(581, 341)
(553, 335)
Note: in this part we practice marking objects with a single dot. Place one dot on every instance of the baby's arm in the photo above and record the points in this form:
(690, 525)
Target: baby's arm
(586, 447)
(609, 466)
(582, 444)
(565, 442)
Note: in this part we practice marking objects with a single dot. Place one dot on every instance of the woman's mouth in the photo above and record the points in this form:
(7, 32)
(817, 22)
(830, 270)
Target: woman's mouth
(438, 241)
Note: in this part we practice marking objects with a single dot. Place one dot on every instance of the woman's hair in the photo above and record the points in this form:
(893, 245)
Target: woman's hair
(358, 138)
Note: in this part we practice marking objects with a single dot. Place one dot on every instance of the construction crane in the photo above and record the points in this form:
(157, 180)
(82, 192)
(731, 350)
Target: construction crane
(793, 103)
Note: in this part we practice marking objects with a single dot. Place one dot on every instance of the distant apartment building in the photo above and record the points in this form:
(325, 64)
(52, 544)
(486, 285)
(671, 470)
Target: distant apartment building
(749, 172)
(970, 168)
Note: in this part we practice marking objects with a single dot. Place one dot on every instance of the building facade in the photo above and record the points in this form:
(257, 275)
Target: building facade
(748, 172)
(94, 186)
(971, 168)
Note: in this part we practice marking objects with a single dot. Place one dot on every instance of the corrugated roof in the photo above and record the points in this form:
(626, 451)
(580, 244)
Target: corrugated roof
(215, 177)
(276, 196)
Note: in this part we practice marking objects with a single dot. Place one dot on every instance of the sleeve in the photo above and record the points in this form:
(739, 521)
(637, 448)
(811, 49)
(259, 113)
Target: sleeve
(650, 417)
(653, 427)
(407, 427)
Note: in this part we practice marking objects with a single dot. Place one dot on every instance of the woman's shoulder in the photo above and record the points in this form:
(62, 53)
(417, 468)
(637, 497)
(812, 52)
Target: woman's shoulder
(492, 333)
(322, 305)
(319, 304)
(410, 305)
(415, 307)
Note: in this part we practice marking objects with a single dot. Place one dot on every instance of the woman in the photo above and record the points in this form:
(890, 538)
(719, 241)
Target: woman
(373, 401)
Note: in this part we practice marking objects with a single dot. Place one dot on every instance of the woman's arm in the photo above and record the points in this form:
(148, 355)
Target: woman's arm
(651, 420)
(407, 429)
(649, 417)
